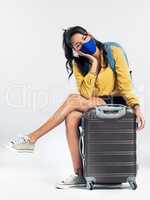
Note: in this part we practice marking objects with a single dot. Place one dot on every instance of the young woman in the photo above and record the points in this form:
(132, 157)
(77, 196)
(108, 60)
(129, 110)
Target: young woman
(97, 85)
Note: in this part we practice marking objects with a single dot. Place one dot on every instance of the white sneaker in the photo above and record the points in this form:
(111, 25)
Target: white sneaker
(71, 181)
(21, 144)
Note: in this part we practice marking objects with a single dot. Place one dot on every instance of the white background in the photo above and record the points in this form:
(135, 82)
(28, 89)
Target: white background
(34, 82)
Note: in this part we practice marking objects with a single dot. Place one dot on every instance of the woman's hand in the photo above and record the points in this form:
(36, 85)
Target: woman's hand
(93, 62)
(139, 117)
(90, 57)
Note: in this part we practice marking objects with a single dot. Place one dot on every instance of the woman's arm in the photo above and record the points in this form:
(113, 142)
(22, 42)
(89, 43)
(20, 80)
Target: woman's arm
(124, 84)
(85, 84)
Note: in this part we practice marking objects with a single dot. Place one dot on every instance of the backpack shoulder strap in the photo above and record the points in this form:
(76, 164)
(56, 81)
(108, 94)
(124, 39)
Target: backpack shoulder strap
(108, 47)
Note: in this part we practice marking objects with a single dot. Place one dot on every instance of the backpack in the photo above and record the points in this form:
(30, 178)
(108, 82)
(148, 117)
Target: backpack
(108, 47)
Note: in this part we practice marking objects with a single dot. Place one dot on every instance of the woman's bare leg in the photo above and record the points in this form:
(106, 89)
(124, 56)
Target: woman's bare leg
(73, 102)
(71, 124)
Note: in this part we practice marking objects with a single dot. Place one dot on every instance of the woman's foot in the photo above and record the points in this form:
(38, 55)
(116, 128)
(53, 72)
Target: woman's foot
(71, 181)
(21, 144)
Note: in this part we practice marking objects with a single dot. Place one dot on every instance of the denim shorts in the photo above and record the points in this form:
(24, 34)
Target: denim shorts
(112, 100)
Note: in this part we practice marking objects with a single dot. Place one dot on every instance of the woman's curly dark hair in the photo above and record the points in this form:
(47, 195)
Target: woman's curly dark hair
(82, 62)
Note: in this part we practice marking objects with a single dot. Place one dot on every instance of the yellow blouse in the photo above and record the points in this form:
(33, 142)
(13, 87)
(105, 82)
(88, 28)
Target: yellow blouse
(106, 82)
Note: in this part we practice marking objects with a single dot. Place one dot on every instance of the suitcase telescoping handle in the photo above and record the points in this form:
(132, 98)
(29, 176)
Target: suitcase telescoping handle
(110, 111)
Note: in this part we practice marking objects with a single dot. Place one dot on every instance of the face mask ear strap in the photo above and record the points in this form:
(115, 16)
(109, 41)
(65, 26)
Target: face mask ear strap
(75, 54)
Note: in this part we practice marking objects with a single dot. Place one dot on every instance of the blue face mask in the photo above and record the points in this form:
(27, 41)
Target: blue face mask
(89, 47)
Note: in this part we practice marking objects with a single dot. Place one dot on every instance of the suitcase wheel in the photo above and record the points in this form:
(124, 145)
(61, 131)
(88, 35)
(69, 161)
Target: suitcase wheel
(133, 185)
(90, 185)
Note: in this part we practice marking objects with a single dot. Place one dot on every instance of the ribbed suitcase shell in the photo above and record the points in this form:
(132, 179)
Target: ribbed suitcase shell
(109, 148)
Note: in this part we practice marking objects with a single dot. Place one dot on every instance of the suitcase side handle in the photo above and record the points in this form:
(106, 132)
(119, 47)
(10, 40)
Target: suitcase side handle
(81, 147)
(110, 111)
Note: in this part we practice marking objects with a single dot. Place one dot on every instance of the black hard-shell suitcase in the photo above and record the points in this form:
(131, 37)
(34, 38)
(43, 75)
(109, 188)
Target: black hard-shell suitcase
(107, 145)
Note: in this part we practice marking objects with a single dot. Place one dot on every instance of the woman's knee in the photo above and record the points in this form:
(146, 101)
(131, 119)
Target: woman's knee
(79, 103)
(96, 101)
(75, 100)
(71, 95)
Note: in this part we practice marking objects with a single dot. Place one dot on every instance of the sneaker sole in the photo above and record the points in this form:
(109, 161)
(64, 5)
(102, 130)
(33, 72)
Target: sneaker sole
(18, 150)
(69, 186)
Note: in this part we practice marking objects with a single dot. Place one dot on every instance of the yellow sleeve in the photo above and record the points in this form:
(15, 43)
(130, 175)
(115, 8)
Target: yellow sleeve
(85, 84)
(124, 82)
